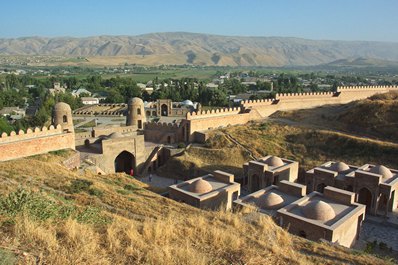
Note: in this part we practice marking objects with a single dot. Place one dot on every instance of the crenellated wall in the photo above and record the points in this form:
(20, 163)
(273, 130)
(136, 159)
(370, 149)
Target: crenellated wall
(213, 113)
(165, 132)
(254, 110)
(33, 142)
(292, 101)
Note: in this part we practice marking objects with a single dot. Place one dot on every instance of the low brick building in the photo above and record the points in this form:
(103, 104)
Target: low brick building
(269, 170)
(374, 185)
(333, 216)
(272, 198)
(211, 191)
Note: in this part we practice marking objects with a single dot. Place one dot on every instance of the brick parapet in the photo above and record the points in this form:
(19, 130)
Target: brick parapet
(366, 88)
(212, 113)
(30, 134)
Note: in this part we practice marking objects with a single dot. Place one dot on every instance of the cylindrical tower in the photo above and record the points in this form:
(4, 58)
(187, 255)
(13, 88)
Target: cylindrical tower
(62, 114)
(136, 113)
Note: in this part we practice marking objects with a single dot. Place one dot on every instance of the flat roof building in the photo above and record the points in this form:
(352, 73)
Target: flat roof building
(211, 191)
(374, 185)
(272, 198)
(333, 216)
(336, 174)
(269, 170)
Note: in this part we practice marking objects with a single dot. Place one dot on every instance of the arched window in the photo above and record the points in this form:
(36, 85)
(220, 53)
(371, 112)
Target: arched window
(65, 118)
(138, 111)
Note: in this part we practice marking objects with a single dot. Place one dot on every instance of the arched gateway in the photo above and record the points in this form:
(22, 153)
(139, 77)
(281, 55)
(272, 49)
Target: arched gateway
(125, 162)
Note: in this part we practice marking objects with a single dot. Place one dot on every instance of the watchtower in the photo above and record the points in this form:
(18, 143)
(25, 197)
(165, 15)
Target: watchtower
(136, 113)
(62, 114)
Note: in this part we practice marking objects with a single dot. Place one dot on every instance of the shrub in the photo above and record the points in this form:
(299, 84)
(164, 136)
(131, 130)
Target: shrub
(38, 206)
(181, 145)
(14, 202)
(62, 152)
(7, 257)
(92, 215)
(95, 192)
(123, 192)
(131, 187)
(79, 185)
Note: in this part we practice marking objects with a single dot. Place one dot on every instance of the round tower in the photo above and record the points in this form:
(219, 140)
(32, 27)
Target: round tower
(136, 113)
(62, 114)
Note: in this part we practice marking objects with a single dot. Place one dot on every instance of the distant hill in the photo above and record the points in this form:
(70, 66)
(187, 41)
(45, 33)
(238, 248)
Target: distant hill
(202, 49)
(363, 62)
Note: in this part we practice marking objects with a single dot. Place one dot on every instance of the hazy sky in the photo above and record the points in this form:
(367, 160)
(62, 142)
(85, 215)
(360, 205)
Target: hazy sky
(315, 19)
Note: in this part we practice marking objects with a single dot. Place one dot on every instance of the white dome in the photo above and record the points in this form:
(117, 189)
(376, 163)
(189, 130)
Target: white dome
(187, 102)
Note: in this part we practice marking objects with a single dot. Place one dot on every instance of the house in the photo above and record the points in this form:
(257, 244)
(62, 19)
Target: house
(8, 111)
(78, 92)
(90, 100)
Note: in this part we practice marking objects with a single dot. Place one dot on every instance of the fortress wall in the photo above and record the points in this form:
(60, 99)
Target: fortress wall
(292, 101)
(304, 96)
(33, 142)
(83, 135)
(348, 94)
(30, 134)
(164, 132)
(205, 114)
(108, 130)
(220, 121)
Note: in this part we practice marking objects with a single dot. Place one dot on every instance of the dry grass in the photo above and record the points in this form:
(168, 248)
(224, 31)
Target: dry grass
(313, 147)
(143, 227)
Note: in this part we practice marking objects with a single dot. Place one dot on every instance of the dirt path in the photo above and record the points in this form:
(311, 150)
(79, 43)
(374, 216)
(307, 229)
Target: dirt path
(232, 139)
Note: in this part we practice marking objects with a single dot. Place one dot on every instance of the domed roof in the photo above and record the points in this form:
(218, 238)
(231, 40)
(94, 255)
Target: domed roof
(382, 170)
(62, 106)
(115, 135)
(272, 200)
(187, 102)
(319, 210)
(200, 186)
(274, 161)
(339, 167)
(135, 101)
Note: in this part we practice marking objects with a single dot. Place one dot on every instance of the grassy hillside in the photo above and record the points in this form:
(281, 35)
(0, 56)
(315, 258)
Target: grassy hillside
(310, 147)
(376, 117)
(50, 215)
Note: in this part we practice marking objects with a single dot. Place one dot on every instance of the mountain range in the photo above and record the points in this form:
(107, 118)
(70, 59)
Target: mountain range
(203, 49)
